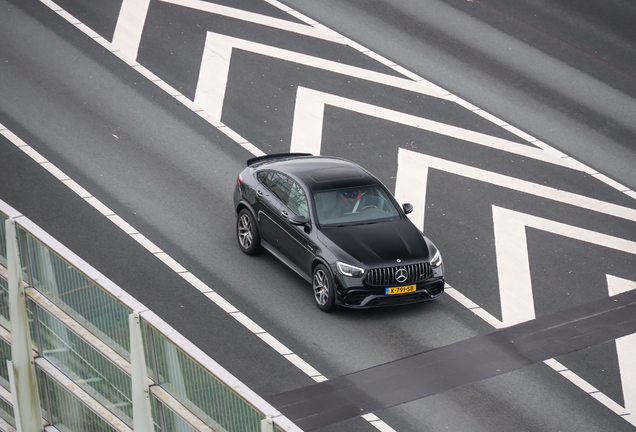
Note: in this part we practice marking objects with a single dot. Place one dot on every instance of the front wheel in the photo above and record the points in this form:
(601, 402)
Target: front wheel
(324, 288)
(247, 233)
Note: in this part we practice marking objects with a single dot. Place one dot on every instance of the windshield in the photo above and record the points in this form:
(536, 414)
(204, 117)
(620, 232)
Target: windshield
(352, 206)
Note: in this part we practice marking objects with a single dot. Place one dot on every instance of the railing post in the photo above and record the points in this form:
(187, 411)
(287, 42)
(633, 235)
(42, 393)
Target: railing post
(40, 350)
(142, 415)
(267, 425)
(152, 355)
(26, 401)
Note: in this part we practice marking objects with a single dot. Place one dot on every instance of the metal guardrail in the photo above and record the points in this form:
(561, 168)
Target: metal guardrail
(80, 337)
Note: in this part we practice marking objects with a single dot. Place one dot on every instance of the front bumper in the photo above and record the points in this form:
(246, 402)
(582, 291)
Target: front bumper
(355, 293)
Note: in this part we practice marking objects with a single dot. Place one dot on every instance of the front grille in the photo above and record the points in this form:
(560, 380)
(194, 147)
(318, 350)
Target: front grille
(386, 276)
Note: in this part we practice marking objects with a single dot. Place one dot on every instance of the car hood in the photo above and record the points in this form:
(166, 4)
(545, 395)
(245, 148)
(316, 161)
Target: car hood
(380, 244)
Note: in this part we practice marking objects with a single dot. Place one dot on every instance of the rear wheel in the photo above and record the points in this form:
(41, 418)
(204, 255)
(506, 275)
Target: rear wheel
(324, 288)
(247, 233)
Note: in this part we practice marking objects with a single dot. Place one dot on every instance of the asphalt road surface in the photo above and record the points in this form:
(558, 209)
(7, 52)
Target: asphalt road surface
(509, 127)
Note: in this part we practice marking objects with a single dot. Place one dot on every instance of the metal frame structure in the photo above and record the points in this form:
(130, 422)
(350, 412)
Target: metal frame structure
(45, 332)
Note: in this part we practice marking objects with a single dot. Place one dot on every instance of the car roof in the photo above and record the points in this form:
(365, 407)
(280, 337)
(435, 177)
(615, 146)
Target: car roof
(323, 172)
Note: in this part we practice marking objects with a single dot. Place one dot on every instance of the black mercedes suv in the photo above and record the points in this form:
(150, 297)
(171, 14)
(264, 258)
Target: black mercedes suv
(338, 227)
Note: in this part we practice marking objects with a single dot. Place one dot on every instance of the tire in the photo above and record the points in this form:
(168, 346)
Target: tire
(247, 234)
(324, 288)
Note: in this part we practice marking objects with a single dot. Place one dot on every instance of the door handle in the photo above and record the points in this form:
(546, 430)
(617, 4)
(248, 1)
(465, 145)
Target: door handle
(284, 214)
(260, 193)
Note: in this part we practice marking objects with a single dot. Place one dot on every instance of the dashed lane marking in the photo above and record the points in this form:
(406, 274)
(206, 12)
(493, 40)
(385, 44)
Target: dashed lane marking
(166, 259)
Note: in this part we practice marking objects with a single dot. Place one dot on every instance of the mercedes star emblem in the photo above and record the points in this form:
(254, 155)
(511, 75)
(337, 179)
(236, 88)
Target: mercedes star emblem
(401, 275)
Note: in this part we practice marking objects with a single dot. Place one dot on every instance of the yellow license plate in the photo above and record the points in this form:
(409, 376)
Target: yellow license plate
(400, 290)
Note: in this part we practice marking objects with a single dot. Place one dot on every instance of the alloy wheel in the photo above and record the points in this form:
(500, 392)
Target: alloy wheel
(245, 231)
(321, 287)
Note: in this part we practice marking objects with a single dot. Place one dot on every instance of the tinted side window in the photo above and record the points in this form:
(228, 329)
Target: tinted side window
(298, 201)
(279, 184)
(262, 176)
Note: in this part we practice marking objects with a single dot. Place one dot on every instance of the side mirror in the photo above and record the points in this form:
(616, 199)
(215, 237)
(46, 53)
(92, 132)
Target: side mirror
(298, 220)
(408, 208)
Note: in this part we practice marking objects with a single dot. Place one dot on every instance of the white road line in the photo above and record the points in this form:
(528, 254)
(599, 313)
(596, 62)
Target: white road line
(513, 268)
(613, 183)
(308, 124)
(413, 168)
(122, 224)
(218, 49)
(213, 75)
(513, 264)
(132, 18)
(473, 307)
(171, 263)
(314, 31)
(305, 367)
(625, 348)
(196, 282)
(378, 423)
(130, 26)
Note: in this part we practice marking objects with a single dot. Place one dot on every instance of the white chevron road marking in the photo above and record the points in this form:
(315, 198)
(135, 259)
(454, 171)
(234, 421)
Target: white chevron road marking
(217, 56)
(308, 124)
(513, 264)
(625, 348)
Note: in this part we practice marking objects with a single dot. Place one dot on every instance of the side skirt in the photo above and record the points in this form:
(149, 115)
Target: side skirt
(285, 261)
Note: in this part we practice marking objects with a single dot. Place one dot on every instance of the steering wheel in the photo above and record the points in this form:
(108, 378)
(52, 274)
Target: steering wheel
(379, 203)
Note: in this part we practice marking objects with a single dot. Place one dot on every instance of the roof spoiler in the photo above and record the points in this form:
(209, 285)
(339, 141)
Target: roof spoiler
(275, 156)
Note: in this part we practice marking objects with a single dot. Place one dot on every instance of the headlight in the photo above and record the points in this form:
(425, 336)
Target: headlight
(349, 270)
(437, 260)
